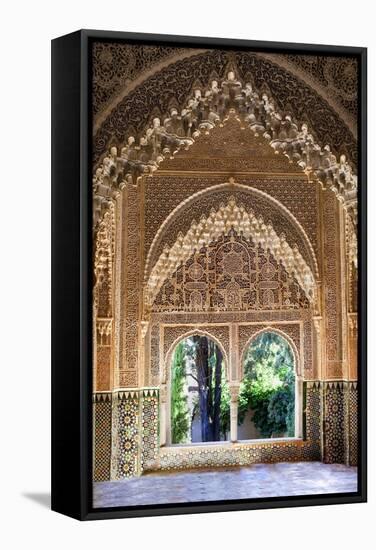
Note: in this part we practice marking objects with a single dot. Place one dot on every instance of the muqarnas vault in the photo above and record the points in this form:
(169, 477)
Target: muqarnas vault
(225, 211)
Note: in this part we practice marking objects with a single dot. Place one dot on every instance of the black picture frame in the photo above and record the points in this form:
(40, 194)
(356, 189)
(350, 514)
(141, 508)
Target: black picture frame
(72, 279)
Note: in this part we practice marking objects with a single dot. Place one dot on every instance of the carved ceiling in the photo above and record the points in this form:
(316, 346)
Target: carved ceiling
(229, 103)
(133, 84)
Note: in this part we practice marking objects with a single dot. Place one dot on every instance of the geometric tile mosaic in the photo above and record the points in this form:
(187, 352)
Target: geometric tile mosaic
(128, 432)
(136, 447)
(353, 423)
(235, 454)
(149, 429)
(313, 416)
(334, 422)
(102, 436)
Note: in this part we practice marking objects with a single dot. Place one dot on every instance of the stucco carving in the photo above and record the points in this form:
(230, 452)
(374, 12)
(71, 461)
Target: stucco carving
(236, 218)
(164, 221)
(202, 113)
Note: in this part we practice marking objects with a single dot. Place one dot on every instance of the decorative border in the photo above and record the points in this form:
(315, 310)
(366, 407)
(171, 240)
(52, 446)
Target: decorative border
(136, 414)
(235, 454)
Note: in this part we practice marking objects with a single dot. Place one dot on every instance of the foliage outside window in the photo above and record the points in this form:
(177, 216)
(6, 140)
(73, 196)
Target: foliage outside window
(200, 395)
(268, 387)
(180, 422)
(199, 392)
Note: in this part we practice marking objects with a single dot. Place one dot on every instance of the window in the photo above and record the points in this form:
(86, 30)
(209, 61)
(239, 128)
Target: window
(199, 394)
(267, 397)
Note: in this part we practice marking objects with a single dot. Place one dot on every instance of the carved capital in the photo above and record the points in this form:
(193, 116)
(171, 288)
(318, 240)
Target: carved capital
(353, 325)
(144, 328)
(104, 331)
(317, 323)
(163, 393)
(234, 392)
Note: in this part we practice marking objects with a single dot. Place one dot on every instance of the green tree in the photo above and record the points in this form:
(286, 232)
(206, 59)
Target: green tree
(225, 408)
(268, 388)
(199, 360)
(207, 371)
(180, 422)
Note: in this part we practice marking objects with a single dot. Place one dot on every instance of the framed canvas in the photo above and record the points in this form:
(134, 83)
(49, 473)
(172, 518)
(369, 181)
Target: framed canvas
(209, 274)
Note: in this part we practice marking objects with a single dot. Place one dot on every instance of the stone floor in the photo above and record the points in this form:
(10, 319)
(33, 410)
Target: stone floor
(256, 481)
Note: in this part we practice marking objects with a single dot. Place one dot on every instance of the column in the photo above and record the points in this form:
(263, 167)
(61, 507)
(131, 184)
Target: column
(163, 415)
(318, 325)
(234, 392)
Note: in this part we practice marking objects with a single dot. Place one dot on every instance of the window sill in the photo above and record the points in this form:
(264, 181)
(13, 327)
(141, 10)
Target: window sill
(240, 442)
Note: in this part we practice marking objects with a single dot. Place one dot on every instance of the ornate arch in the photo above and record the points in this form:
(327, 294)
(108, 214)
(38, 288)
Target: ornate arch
(138, 64)
(202, 112)
(227, 218)
(283, 334)
(173, 84)
(231, 186)
(186, 334)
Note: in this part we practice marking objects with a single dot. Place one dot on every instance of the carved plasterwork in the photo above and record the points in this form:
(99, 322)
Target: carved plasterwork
(201, 113)
(227, 215)
(169, 327)
(230, 218)
(337, 75)
(352, 242)
(333, 285)
(230, 146)
(165, 221)
(174, 84)
(130, 299)
(334, 78)
(103, 300)
(119, 68)
(230, 274)
(103, 264)
(104, 331)
(351, 263)
(352, 319)
(353, 325)
(117, 64)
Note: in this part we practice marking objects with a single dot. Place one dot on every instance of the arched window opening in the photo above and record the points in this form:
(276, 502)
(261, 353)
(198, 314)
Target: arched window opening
(200, 398)
(268, 390)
